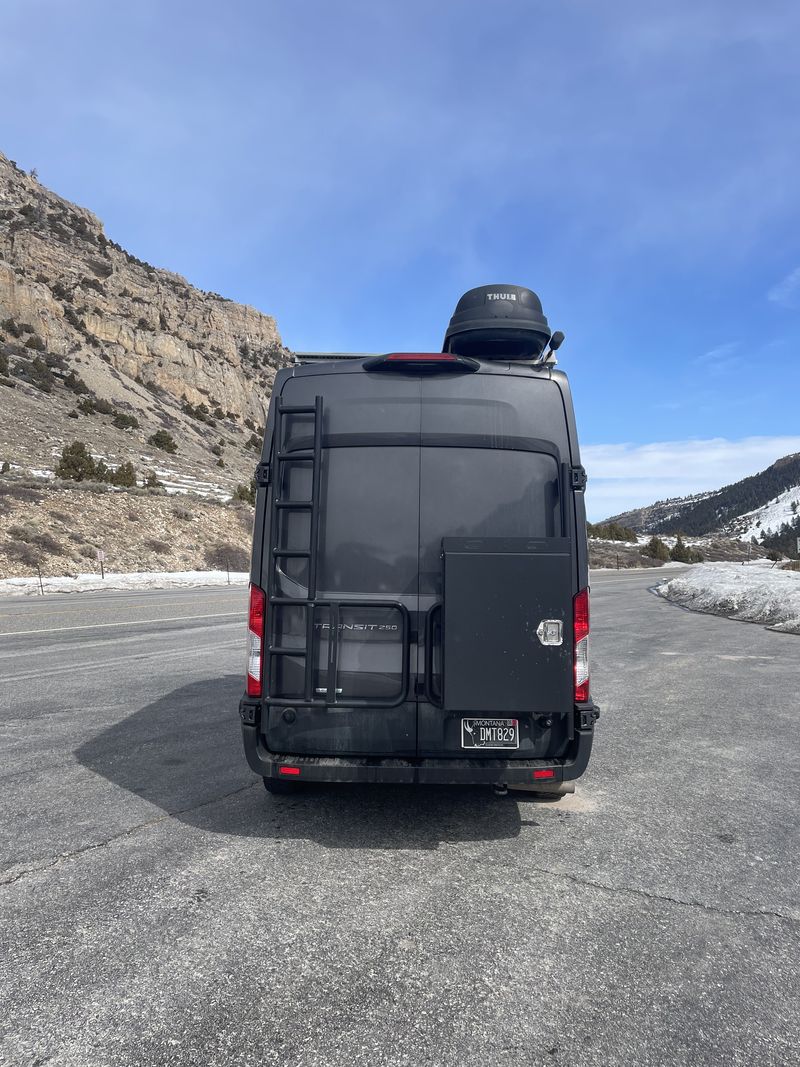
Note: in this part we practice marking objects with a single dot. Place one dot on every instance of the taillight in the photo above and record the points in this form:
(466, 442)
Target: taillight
(580, 616)
(255, 641)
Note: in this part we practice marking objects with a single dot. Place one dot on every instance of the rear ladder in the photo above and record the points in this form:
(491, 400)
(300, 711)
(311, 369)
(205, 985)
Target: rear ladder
(311, 602)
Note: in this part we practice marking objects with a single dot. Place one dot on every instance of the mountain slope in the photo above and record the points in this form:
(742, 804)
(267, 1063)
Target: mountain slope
(763, 506)
(94, 341)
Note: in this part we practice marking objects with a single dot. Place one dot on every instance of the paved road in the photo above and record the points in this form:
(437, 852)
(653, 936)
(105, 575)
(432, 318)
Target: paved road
(158, 907)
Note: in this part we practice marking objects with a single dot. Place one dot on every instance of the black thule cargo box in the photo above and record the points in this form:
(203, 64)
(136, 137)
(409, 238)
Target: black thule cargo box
(419, 587)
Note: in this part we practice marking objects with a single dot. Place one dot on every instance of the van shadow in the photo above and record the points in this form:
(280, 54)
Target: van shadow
(184, 754)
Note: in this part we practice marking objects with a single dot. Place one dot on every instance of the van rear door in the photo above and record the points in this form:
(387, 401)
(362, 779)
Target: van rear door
(496, 563)
(366, 597)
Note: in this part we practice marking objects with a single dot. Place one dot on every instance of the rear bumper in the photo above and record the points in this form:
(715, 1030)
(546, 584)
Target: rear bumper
(450, 771)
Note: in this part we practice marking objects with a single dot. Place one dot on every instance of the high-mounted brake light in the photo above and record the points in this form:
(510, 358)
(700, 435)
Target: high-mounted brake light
(580, 615)
(421, 357)
(428, 361)
(255, 641)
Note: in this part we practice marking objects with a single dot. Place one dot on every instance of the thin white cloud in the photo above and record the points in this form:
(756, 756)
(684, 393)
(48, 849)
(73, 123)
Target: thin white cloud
(787, 291)
(626, 476)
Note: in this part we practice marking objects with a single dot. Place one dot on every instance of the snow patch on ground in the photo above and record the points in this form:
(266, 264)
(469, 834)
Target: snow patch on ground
(756, 592)
(87, 583)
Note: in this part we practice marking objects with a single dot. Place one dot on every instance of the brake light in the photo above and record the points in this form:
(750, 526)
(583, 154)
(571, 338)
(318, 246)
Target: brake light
(580, 616)
(255, 641)
(289, 770)
(428, 361)
(545, 772)
(421, 357)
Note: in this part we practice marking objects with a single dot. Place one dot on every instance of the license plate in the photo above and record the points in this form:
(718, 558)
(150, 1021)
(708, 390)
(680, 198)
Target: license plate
(489, 733)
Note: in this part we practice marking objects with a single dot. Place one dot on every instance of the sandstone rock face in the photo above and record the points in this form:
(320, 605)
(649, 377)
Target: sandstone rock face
(60, 273)
(100, 347)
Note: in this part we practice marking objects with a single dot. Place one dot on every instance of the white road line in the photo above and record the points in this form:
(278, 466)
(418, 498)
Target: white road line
(45, 610)
(129, 622)
(105, 664)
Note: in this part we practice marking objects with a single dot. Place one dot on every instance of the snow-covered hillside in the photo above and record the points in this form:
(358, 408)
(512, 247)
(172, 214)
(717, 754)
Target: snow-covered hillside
(763, 506)
(769, 518)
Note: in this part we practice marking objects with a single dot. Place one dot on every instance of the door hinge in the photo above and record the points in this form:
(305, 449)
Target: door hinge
(262, 474)
(578, 475)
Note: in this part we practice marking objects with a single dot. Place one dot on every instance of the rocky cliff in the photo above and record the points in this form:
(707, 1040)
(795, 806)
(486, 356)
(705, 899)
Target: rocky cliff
(99, 346)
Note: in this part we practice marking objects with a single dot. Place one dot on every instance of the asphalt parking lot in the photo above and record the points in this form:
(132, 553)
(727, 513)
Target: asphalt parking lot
(158, 907)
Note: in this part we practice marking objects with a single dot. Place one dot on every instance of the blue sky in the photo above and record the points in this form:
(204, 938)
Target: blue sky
(352, 168)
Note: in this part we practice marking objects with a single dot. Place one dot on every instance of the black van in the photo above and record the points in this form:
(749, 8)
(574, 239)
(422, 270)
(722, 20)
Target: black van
(419, 587)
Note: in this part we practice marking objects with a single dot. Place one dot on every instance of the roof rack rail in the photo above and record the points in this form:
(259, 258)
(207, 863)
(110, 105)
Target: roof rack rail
(325, 357)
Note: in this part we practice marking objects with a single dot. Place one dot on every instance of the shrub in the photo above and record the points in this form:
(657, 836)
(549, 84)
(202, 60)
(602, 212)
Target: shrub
(125, 422)
(3, 364)
(76, 463)
(656, 549)
(181, 512)
(150, 481)
(216, 450)
(35, 342)
(161, 547)
(198, 411)
(225, 555)
(611, 531)
(29, 536)
(86, 406)
(6, 467)
(47, 543)
(681, 553)
(72, 414)
(76, 384)
(124, 476)
(254, 442)
(246, 493)
(39, 375)
(164, 440)
(10, 327)
(22, 553)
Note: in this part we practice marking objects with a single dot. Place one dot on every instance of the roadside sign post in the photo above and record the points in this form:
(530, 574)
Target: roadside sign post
(41, 583)
(100, 554)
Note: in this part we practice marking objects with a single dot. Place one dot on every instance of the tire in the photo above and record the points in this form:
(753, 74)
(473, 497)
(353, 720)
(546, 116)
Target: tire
(280, 787)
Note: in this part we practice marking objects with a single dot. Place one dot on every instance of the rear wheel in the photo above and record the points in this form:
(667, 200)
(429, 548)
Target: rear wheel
(281, 786)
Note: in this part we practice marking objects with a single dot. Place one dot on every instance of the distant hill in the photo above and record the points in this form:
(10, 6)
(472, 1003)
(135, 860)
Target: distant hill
(765, 506)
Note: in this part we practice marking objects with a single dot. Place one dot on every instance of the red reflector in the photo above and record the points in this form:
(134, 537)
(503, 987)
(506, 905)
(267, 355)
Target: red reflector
(544, 773)
(289, 770)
